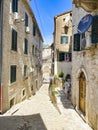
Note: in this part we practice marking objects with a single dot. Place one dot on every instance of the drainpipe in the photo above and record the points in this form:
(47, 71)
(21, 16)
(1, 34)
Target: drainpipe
(1, 48)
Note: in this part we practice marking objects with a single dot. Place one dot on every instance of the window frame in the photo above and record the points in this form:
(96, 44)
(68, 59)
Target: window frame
(62, 39)
(25, 71)
(26, 20)
(14, 40)
(25, 46)
(13, 75)
(14, 6)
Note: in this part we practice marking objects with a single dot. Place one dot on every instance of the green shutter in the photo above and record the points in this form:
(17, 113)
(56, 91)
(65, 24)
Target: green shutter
(13, 73)
(26, 46)
(26, 19)
(94, 37)
(61, 56)
(14, 6)
(34, 30)
(76, 44)
(14, 40)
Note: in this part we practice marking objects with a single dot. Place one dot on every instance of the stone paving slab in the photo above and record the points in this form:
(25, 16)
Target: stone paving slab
(38, 113)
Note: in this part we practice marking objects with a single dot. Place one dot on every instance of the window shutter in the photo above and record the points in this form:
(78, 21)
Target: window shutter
(14, 40)
(70, 56)
(34, 30)
(26, 46)
(76, 44)
(14, 6)
(61, 56)
(95, 29)
(13, 74)
(26, 19)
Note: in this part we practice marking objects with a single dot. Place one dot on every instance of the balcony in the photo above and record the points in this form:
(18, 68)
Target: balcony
(88, 5)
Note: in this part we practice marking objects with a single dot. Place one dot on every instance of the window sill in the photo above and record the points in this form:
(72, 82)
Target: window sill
(13, 51)
(11, 84)
(25, 54)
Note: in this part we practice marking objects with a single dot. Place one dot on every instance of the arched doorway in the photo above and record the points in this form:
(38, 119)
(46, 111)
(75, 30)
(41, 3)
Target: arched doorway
(82, 93)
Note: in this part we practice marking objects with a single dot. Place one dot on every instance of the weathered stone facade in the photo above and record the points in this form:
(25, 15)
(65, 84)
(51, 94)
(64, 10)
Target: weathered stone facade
(23, 87)
(47, 62)
(62, 42)
(86, 62)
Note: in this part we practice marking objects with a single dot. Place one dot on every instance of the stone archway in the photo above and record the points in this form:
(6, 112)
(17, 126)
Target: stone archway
(82, 92)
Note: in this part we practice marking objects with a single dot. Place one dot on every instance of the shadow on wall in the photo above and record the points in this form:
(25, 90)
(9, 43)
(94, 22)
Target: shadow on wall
(28, 122)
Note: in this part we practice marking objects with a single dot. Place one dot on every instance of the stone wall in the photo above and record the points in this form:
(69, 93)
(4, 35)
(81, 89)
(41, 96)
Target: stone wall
(85, 61)
(22, 88)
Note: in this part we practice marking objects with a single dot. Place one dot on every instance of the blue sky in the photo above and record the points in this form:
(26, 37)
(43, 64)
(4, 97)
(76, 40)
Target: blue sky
(44, 11)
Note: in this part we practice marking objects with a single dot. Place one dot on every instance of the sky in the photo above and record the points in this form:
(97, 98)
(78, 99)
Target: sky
(44, 11)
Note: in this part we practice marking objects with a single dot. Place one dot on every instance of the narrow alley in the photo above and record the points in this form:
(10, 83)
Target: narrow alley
(38, 113)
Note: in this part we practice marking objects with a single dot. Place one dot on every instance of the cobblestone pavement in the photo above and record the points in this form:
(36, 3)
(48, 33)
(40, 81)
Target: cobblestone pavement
(38, 113)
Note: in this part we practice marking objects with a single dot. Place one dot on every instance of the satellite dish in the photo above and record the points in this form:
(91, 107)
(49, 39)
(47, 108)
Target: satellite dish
(85, 23)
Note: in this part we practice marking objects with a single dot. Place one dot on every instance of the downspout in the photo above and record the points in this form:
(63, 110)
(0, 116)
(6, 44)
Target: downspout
(1, 48)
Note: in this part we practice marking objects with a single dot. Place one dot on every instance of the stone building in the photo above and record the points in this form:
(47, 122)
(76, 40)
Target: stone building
(62, 43)
(20, 53)
(85, 61)
(47, 63)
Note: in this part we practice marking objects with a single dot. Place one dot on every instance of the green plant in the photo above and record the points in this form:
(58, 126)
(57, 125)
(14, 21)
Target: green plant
(61, 74)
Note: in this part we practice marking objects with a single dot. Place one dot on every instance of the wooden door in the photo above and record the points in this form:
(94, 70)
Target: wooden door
(82, 93)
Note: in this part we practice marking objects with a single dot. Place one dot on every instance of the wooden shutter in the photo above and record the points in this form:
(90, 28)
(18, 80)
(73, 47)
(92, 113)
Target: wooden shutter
(25, 70)
(13, 74)
(26, 46)
(61, 56)
(14, 40)
(26, 19)
(14, 5)
(94, 37)
(76, 43)
(34, 30)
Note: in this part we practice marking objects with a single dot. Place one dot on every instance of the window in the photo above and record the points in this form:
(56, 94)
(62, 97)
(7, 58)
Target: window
(25, 70)
(64, 39)
(66, 29)
(33, 50)
(79, 42)
(76, 44)
(68, 57)
(14, 40)
(24, 92)
(34, 30)
(13, 73)
(25, 46)
(26, 19)
(94, 32)
(14, 6)
(61, 56)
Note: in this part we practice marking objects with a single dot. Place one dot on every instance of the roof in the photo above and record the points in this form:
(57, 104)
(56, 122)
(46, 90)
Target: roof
(70, 11)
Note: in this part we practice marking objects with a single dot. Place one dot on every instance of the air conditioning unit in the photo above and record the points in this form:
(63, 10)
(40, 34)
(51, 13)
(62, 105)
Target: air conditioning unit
(16, 16)
(31, 70)
(27, 29)
(88, 42)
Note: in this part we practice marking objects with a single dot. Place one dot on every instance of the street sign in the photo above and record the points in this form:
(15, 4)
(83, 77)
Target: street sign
(85, 23)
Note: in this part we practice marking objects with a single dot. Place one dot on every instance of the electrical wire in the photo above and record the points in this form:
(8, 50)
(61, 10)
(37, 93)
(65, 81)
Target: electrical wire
(39, 16)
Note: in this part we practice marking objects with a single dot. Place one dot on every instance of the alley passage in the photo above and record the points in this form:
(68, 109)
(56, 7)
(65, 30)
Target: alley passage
(38, 113)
